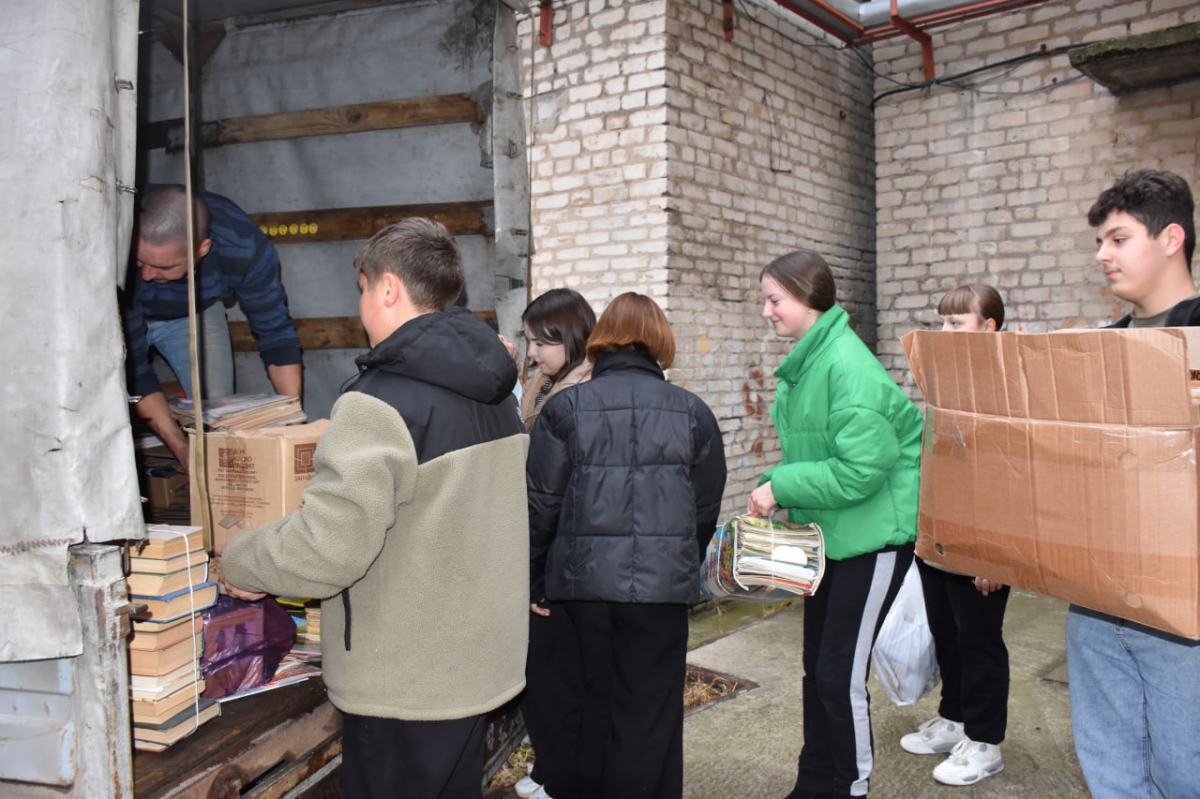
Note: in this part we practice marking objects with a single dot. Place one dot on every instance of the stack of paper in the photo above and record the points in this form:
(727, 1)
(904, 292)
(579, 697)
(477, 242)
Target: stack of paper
(168, 573)
(242, 412)
(760, 560)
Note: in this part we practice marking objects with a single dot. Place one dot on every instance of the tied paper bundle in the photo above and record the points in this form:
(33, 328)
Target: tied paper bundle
(241, 412)
(752, 559)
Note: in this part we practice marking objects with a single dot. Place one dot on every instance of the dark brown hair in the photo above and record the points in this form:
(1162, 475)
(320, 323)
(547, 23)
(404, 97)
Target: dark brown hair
(162, 215)
(977, 298)
(806, 277)
(1154, 198)
(425, 257)
(562, 316)
(634, 322)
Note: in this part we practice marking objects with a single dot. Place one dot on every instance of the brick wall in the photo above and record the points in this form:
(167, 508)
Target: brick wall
(994, 187)
(670, 161)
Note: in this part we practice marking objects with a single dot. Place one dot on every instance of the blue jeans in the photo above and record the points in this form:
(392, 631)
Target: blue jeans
(1135, 707)
(170, 337)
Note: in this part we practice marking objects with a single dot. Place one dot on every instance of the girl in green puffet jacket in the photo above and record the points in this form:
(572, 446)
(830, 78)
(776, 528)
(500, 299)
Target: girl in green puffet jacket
(851, 444)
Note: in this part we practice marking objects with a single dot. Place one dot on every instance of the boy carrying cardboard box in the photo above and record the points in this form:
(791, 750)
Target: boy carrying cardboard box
(414, 528)
(1135, 691)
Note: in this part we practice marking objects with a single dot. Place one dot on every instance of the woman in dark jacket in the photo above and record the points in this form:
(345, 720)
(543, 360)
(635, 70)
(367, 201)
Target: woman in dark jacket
(625, 478)
(557, 326)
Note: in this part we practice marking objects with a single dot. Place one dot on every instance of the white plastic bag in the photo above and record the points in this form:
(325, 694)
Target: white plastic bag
(904, 657)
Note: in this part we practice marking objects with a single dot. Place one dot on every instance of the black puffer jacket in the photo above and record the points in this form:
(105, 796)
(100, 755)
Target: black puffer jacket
(625, 477)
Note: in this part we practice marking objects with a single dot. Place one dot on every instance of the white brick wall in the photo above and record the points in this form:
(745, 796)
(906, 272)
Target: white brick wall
(996, 187)
(670, 161)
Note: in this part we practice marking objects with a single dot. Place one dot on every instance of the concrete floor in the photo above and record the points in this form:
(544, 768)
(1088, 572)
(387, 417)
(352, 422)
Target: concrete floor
(745, 747)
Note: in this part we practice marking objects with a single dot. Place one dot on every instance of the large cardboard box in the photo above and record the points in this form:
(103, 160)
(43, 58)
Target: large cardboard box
(255, 476)
(1065, 463)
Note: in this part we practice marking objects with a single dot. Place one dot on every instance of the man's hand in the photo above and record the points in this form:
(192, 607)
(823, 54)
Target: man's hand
(157, 413)
(224, 586)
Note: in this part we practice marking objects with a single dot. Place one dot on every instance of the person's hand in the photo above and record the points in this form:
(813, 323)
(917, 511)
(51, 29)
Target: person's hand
(539, 610)
(762, 501)
(510, 346)
(986, 586)
(224, 586)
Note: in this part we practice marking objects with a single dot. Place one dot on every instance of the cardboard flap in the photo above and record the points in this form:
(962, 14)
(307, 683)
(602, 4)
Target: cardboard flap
(1131, 377)
(316, 428)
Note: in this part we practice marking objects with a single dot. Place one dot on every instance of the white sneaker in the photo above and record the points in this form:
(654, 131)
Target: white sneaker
(526, 787)
(969, 762)
(540, 793)
(934, 737)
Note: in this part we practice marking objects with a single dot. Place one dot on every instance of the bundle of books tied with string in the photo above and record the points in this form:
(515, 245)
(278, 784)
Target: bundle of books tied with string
(169, 577)
(752, 559)
(241, 411)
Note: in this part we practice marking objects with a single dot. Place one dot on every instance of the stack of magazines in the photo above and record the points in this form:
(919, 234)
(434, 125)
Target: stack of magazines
(752, 559)
(242, 412)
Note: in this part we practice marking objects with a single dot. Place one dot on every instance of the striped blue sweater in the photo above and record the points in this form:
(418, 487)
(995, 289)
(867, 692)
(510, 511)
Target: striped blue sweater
(242, 265)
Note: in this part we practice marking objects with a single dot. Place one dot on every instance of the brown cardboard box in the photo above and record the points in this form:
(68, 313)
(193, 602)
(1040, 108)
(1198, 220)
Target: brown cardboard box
(1065, 463)
(164, 491)
(255, 476)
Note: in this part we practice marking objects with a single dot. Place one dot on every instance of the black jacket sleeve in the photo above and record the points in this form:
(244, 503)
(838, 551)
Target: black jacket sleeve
(708, 474)
(547, 474)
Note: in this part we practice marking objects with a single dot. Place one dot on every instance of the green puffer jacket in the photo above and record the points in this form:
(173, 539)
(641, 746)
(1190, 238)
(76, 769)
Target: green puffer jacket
(851, 442)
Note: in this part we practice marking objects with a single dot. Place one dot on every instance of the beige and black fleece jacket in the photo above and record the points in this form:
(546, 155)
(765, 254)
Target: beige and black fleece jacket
(414, 529)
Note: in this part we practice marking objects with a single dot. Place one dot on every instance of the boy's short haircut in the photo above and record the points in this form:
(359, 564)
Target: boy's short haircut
(1156, 199)
(423, 255)
(634, 322)
(162, 215)
(974, 298)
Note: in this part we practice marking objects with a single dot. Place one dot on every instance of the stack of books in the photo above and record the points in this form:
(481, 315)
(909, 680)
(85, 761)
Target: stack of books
(242, 412)
(312, 626)
(168, 574)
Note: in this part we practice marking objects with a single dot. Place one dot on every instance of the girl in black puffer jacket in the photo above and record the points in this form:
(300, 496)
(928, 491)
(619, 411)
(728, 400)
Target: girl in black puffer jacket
(625, 477)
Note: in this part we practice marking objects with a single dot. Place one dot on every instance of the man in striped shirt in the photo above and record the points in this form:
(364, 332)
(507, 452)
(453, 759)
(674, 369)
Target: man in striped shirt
(234, 262)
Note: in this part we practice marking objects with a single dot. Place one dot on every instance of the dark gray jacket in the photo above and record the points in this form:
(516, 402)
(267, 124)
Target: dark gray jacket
(625, 476)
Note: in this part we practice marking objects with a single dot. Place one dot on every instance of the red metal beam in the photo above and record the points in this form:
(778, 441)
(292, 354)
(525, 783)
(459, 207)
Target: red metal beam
(820, 23)
(727, 21)
(940, 18)
(925, 40)
(546, 23)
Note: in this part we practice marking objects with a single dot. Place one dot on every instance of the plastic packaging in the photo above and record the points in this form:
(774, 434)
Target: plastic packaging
(904, 656)
(243, 644)
(751, 559)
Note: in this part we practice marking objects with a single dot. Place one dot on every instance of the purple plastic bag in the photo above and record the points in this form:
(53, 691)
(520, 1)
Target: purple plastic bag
(243, 644)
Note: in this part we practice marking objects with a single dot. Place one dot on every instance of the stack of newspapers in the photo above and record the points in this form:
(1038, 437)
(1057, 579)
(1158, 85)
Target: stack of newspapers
(760, 560)
(241, 412)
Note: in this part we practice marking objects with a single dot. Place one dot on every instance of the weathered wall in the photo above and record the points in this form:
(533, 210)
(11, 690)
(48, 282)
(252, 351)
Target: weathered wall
(993, 184)
(670, 161)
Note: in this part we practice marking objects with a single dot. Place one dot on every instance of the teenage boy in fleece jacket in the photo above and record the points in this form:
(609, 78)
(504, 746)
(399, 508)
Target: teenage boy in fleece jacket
(414, 529)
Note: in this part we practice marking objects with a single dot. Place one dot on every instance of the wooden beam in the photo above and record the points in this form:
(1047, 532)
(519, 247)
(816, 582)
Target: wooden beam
(384, 115)
(344, 224)
(325, 333)
(328, 333)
